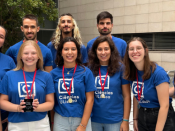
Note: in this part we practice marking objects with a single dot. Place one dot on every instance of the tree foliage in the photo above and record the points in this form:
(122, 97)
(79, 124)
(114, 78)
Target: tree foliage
(12, 12)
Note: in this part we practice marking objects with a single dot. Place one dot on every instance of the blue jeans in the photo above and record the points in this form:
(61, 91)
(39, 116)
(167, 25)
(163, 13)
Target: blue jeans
(147, 119)
(68, 123)
(106, 127)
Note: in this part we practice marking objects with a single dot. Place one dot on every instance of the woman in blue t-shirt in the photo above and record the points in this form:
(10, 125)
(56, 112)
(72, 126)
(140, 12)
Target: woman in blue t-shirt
(74, 89)
(27, 82)
(150, 86)
(6, 64)
(112, 100)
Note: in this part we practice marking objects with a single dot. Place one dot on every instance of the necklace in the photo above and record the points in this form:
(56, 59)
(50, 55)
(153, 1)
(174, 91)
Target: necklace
(69, 71)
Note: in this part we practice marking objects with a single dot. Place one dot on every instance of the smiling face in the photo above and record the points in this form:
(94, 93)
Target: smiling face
(30, 29)
(69, 53)
(2, 36)
(103, 53)
(105, 26)
(136, 52)
(66, 24)
(29, 57)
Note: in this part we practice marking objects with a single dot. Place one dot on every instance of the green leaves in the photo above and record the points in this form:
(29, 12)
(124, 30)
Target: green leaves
(12, 12)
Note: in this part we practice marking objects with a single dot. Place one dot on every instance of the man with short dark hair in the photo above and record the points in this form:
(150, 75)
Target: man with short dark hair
(30, 28)
(104, 25)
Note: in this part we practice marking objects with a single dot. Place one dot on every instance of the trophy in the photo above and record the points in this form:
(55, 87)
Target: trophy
(29, 106)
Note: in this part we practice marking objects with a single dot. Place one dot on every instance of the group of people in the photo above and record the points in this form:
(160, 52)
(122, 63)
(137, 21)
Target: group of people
(85, 88)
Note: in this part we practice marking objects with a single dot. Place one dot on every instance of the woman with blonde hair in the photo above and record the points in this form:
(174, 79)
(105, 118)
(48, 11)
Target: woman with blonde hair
(150, 86)
(27, 92)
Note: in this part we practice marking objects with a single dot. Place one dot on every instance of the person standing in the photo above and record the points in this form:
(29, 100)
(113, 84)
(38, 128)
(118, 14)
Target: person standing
(104, 26)
(112, 100)
(30, 28)
(7, 64)
(150, 87)
(67, 27)
(28, 82)
(74, 89)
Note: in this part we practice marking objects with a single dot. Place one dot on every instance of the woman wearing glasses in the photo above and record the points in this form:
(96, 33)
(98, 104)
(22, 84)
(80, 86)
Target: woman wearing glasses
(150, 87)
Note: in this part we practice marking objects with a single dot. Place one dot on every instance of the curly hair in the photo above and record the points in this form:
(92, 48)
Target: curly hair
(130, 68)
(114, 60)
(59, 59)
(57, 36)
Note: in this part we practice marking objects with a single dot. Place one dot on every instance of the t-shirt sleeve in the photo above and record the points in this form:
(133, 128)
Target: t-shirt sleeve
(160, 77)
(12, 64)
(10, 53)
(84, 54)
(124, 81)
(4, 85)
(49, 85)
(49, 59)
(89, 81)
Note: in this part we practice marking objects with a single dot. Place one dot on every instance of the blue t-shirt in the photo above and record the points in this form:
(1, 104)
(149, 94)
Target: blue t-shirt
(47, 55)
(53, 50)
(149, 98)
(83, 81)
(109, 109)
(13, 85)
(119, 43)
(7, 64)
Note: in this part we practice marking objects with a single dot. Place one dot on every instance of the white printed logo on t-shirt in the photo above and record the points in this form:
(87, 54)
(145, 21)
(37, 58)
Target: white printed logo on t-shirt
(22, 89)
(134, 88)
(62, 88)
(98, 83)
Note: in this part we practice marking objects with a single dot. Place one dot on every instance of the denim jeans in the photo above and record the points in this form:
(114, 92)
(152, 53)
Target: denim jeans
(106, 127)
(68, 123)
(147, 119)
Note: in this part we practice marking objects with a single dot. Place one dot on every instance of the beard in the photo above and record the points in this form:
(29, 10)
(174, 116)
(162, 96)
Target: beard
(66, 32)
(104, 33)
(30, 38)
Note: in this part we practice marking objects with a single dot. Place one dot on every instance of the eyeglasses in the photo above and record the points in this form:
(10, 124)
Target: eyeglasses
(132, 49)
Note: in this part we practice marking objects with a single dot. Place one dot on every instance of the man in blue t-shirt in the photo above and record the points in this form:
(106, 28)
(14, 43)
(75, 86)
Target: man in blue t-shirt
(30, 28)
(67, 27)
(104, 25)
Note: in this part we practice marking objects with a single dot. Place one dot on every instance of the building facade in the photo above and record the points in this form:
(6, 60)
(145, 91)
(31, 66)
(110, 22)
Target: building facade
(153, 20)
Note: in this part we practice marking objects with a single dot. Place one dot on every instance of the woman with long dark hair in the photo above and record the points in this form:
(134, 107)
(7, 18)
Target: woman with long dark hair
(7, 64)
(112, 100)
(74, 89)
(150, 87)
(27, 92)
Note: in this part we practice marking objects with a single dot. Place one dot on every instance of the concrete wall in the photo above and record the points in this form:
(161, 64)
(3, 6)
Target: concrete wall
(130, 16)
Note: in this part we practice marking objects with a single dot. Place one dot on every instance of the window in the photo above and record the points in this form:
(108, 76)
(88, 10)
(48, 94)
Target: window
(155, 41)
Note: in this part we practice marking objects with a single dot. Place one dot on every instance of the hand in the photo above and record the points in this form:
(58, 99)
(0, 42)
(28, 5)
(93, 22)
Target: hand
(35, 104)
(124, 126)
(21, 106)
(81, 128)
(135, 126)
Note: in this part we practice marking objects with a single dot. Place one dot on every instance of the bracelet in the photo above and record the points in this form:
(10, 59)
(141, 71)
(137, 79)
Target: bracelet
(82, 125)
(135, 119)
(52, 122)
(126, 120)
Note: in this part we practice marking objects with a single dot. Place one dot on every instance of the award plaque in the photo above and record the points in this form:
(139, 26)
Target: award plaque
(29, 106)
